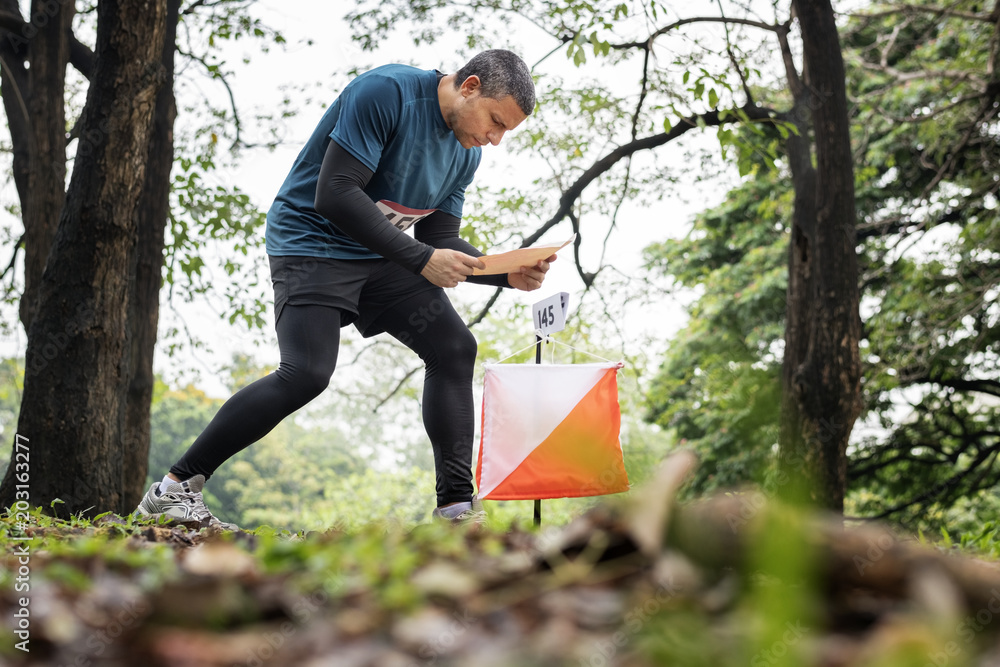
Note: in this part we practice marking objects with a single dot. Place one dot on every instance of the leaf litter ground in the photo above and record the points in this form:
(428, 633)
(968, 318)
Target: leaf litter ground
(735, 579)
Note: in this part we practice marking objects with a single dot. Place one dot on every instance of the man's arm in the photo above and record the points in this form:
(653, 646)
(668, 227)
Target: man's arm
(340, 198)
(440, 230)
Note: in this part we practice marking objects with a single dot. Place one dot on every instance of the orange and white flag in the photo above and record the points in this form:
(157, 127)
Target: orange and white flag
(550, 431)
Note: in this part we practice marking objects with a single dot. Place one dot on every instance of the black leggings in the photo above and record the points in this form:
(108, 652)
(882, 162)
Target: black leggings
(309, 339)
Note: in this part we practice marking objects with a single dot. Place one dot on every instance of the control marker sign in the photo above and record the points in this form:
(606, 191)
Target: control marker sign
(550, 314)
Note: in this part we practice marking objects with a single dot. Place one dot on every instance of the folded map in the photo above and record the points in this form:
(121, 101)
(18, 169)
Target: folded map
(510, 262)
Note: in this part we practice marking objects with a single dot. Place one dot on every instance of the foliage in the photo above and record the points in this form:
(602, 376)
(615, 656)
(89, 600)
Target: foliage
(644, 75)
(214, 233)
(931, 276)
(718, 388)
(73, 544)
(925, 136)
(11, 388)
(926, 452)
(312, 477)
(307, 474)
(212, 222)
(301, 462)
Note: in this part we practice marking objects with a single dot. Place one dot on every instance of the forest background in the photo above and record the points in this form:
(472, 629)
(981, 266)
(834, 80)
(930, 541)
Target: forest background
(682, 268)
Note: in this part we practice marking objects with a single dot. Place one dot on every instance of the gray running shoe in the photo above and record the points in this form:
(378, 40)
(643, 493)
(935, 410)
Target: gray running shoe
(474, 517)
(181, 500)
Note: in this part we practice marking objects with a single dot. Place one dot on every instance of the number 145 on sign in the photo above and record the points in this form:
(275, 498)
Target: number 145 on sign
(550, 314)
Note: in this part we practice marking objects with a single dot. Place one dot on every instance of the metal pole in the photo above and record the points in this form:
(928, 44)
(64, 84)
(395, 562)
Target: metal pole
(538, 360)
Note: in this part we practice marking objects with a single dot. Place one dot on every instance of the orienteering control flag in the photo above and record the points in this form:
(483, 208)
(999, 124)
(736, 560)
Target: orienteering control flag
(550, 431)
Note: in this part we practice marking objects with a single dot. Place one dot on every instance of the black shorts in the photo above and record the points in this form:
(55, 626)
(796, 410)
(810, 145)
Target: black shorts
(361, 288)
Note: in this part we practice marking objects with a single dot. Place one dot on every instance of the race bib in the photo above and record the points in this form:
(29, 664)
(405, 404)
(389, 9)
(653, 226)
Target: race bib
(400, 216)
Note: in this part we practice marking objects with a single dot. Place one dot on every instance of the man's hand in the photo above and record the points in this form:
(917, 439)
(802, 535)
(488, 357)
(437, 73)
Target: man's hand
(447, 268)
(530, 278)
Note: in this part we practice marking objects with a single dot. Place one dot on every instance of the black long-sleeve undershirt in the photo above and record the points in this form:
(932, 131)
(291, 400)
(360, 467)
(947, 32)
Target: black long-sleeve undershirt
(340, 198)
(440, 230)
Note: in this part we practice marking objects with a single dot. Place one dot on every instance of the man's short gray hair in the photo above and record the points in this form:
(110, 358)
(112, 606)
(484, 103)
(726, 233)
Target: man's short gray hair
(501, 73)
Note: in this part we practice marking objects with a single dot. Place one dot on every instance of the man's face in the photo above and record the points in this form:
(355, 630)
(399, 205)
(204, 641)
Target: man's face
(478, 120)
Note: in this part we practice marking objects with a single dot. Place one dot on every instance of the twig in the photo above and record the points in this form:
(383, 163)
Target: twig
(13, 258)
(924, 9)
(397, 388)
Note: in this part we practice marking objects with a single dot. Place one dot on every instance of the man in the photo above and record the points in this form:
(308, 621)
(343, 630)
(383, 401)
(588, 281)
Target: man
(397, 149)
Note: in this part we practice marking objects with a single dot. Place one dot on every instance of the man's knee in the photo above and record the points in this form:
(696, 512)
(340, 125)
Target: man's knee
(314, 380)
(306, 382)
(460, 348)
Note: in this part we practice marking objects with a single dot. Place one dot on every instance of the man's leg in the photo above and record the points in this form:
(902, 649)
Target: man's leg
(428, 324)
(309, 340)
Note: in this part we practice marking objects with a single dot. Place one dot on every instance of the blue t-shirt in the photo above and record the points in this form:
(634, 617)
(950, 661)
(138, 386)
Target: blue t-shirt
(390, 120)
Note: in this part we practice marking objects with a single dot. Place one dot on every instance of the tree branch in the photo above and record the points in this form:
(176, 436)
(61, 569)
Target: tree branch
(862, 471)
(644, 90)
(956, 75)
(587, 278)
(711, 118)
(203, 3)
(734, 62)
(12, 22)
(991, 387)
(938, 491)
(81, 57)
(395, 390)
(569, 197)
(699, 19)
(906, 8)
(217, 74)
(795, 84)
(13, 258)
(930, 114)
(486, 309)
(19, 79)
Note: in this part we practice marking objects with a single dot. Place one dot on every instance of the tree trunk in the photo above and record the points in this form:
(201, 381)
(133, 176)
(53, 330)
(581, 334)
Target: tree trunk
(14, 90)
(48, 52)
(800, 463)
(144, 302)
(76, 376)
(822, 368)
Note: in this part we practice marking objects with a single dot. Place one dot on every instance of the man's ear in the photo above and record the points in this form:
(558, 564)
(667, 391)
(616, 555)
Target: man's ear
(470, 85)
